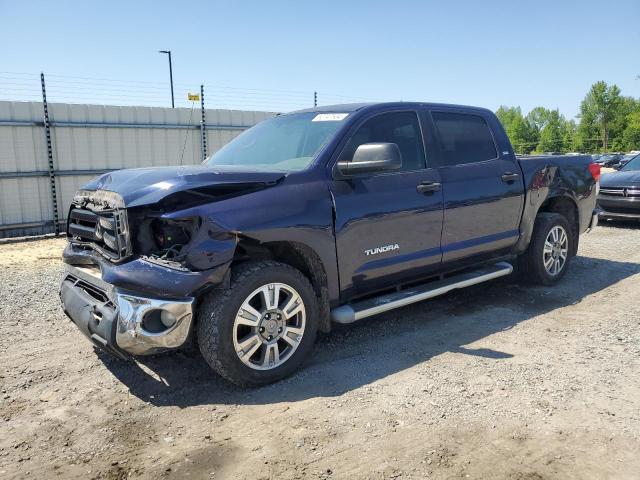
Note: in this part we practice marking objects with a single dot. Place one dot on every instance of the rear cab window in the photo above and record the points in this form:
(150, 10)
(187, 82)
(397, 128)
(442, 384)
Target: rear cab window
(463, 138)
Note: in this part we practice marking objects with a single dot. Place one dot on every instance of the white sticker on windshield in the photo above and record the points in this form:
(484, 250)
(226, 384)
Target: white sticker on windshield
(329, 117)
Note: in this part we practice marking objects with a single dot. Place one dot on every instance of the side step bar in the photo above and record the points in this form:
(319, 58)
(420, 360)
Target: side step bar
(374, 306)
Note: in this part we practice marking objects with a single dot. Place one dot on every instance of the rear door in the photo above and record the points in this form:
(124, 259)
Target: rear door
(388, 225)
(483, 189)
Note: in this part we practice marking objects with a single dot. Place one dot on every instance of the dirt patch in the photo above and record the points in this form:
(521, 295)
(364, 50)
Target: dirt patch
(29, 252)
(501, 380)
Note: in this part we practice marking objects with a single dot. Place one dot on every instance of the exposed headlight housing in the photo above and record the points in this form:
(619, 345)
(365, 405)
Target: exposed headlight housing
(82, 196)
(103, 198)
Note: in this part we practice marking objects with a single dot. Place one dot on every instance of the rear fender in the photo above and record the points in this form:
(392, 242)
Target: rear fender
(533, 206)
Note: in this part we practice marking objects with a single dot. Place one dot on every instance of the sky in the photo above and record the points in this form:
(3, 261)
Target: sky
(275, 54)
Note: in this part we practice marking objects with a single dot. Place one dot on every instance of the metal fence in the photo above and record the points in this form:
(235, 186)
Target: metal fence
(43, 161)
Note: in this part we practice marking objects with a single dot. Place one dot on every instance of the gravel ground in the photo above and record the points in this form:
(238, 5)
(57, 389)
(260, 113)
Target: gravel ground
(497, 381)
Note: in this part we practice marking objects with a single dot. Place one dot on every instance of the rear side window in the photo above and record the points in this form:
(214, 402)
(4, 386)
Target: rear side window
(463, 138)
(401, 128)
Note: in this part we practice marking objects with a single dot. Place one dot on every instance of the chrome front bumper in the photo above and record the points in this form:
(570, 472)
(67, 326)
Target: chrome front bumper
(119, 321)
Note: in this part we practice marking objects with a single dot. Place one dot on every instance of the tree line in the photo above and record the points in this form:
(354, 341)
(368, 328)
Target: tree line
(608, 122)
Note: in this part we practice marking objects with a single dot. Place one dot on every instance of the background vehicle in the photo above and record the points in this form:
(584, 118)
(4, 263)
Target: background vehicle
(626, 159)
(609, 160)
(330, 214)
(619, 197)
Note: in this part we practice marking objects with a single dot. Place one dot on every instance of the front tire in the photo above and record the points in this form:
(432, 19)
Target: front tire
(261, 329)
(546, 260)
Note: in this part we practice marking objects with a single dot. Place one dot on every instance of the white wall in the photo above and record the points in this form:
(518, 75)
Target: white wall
(105, 138)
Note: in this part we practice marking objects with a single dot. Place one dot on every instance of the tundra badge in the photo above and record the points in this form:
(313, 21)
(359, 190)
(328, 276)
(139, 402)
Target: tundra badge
(386, 248)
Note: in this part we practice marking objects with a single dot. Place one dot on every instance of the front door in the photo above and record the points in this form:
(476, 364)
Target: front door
(388, 225)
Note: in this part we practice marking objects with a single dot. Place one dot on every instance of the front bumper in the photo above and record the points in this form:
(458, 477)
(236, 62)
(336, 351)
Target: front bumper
(619, 208)
(619, 216)
(118, 320)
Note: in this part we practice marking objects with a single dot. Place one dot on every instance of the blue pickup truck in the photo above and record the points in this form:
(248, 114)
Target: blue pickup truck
(332, 214)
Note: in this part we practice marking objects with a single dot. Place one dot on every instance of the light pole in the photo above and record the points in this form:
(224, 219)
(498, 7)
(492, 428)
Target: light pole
(168, 52)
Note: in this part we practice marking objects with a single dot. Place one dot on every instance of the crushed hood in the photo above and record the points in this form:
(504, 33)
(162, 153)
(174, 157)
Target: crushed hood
(146, 186)
(621, 179)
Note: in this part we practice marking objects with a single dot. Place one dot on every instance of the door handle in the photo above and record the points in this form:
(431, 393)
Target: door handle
(428, 187)
(510, 177)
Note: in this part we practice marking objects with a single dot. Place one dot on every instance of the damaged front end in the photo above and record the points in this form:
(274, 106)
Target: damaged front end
(98, 220)
(134, 271)
(122, 323)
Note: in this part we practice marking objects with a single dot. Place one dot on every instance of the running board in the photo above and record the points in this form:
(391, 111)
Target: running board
(374, 306)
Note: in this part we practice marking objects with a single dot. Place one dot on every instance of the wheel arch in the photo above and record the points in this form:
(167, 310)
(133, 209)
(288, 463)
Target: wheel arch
(562, 203)
(568, 208)
(297, 255)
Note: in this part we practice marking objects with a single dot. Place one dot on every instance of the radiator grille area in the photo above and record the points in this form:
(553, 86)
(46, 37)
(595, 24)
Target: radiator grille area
(620, 192)
(105, 231)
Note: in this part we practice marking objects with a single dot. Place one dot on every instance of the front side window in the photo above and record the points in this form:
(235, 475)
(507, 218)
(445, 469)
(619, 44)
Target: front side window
(463, 138)
(282, 143)
(401, 128)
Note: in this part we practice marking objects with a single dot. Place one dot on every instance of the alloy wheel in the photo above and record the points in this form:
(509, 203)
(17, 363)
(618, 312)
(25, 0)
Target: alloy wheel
(269, 326)
(556, 250)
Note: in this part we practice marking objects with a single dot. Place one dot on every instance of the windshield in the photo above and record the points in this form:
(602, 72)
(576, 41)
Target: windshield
(634, 164)
(286, 142)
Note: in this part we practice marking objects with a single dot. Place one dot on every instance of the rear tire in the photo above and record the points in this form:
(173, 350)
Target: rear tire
(262, 328)
(546, 260)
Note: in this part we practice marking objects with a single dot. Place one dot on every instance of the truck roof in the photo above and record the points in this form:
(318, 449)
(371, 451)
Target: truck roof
(352, 107)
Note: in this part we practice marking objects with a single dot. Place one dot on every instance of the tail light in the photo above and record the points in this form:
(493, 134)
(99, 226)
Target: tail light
(594, 169)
